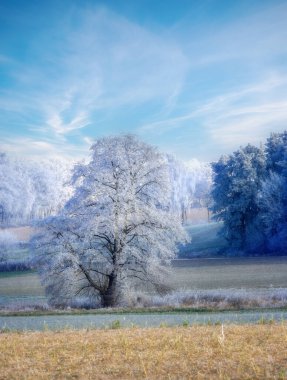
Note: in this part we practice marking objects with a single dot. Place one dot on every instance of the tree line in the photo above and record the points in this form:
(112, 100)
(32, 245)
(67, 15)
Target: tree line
(31, 189)
(249, 195)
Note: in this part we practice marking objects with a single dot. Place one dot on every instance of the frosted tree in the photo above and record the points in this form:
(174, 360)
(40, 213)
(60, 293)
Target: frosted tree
(181, 187)
(50, 180)
(203, 185)
(276, 152)
(272, 200)
(16, 191)
(190, 183)
(31, 189)
(117, 227)
(237, 180)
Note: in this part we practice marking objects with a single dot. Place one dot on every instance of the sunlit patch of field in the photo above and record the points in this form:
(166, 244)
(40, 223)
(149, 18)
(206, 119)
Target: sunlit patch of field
(197, 352)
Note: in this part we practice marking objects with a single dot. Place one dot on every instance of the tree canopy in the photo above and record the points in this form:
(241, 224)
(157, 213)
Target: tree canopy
(117, 228)
(31, 189)
(237, 181)
(250, 196)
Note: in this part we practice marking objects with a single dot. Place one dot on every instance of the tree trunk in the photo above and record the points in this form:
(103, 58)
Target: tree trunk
(111, 295)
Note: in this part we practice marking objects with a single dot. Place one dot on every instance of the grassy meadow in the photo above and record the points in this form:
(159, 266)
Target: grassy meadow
(197, 352)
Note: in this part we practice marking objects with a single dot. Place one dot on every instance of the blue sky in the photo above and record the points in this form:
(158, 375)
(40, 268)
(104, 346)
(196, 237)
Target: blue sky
(196, 78)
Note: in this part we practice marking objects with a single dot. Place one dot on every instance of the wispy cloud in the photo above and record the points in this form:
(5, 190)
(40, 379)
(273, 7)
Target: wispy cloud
(224, 105)
(34, 148)
(233, 118)
(236, 90)
(260, 33)
(226, 79)
(105, 62)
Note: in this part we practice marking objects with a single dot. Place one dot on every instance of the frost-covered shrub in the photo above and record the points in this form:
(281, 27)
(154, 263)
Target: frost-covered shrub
(22, 305)
(219, 298)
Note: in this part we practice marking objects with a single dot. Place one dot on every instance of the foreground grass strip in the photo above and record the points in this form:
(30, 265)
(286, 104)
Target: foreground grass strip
(198, 352)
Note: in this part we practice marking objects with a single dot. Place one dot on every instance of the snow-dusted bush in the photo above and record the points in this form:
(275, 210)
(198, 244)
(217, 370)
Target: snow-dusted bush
(27, 305)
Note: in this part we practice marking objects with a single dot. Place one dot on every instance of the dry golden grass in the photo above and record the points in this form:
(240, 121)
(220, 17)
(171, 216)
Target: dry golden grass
(198, 352)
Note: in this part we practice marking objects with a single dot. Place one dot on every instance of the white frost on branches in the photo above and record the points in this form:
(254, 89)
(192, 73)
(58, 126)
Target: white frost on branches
(191, 183)
(30, 190)
(116, 230)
